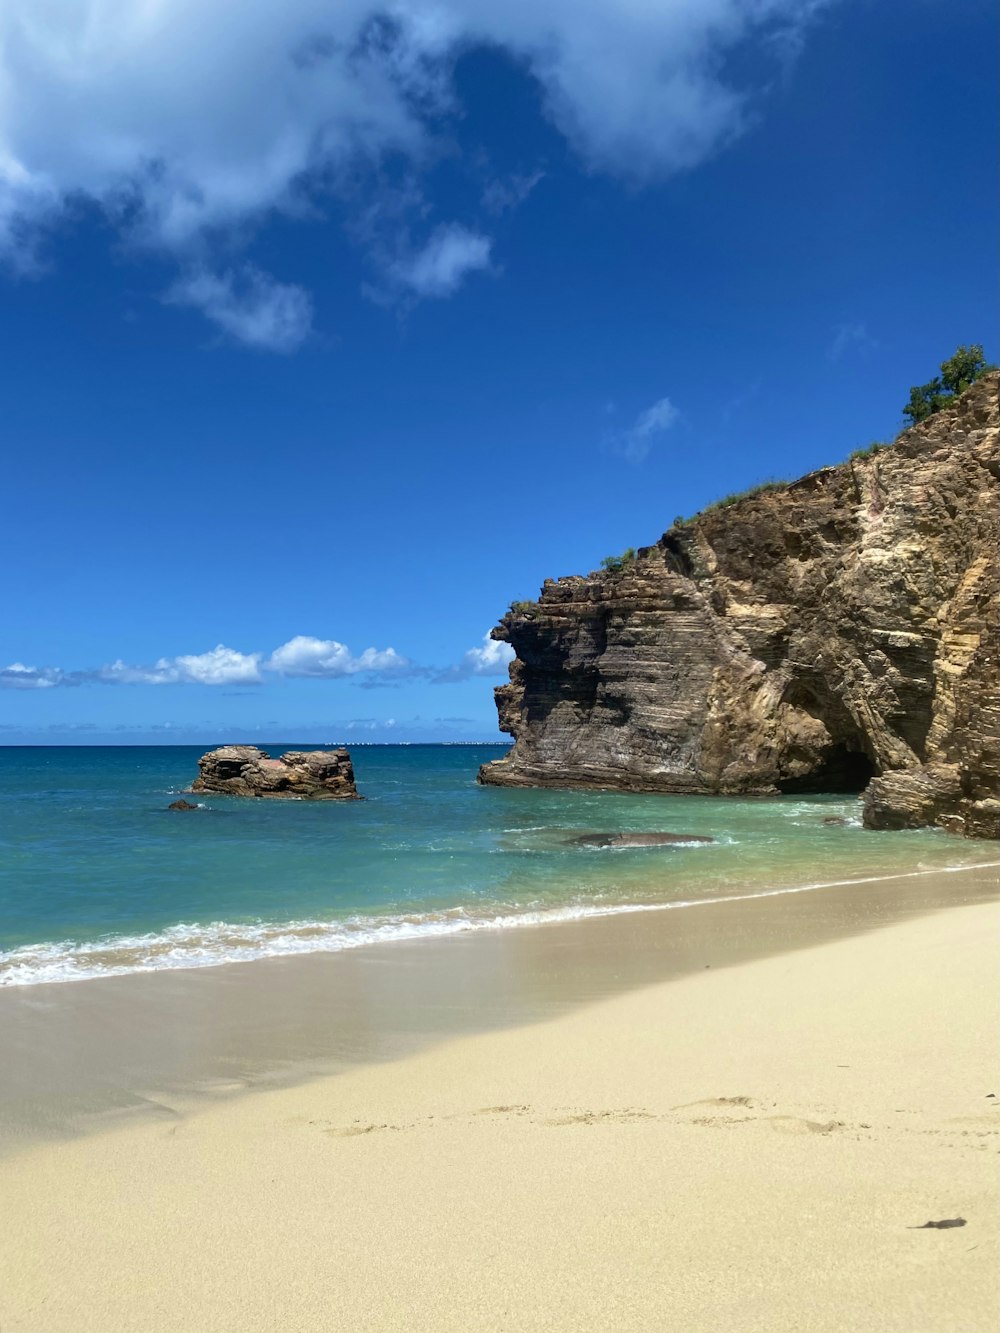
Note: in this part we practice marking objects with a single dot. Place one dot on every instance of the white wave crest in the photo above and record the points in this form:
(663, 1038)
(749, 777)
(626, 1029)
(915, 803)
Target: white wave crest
(191, 945)
(194, 946)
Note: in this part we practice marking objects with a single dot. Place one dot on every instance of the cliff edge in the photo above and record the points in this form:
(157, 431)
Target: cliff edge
(837, 634)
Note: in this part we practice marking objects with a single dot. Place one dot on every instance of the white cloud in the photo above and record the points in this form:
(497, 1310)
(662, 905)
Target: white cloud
(305, 656)
(491, 659)
(219, 666)
(636, 442)
(17, 676)
(445, 261)
(249, 305)
(300, 656)
(190, 123)
(121, 673)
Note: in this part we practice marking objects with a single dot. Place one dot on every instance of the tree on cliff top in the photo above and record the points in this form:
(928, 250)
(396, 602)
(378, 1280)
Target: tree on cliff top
(960, 370)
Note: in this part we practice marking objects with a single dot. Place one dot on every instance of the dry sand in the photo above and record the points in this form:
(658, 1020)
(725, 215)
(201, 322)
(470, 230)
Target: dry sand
(740, 1149)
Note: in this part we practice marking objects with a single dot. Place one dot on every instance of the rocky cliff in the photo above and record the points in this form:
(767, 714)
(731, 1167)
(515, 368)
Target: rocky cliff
(305, 775)
(837, 634)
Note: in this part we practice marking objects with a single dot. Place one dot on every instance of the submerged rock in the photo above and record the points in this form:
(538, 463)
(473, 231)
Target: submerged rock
(635, 839)
(182, 805)
(307, 775)
(810, 637)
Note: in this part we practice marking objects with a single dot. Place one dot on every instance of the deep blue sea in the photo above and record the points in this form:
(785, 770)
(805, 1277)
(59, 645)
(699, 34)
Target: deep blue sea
(98, 878)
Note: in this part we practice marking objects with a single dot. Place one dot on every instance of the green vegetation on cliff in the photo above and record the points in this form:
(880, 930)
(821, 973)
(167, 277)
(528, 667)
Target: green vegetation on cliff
(613, 563)
(762, 488)
(875, 447)
(963, 367)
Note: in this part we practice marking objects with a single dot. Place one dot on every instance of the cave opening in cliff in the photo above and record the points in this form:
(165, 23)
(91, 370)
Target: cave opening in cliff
(841, 771)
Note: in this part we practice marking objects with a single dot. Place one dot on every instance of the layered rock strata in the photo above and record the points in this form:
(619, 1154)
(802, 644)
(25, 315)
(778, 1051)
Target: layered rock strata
(307, 775)
(838, 634)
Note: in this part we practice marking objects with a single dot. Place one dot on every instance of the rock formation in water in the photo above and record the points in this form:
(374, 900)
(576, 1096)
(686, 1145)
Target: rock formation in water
(840, 633)
(306, 775)
(637, 839)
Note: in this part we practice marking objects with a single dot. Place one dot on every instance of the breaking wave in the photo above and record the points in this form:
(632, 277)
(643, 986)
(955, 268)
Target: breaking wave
(186, 946)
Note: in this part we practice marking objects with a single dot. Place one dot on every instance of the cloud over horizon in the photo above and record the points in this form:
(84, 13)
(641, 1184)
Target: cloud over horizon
(490, 659)
(18, 676)
(219, 666)
(189, 127)
(302, 657)
(327, 659)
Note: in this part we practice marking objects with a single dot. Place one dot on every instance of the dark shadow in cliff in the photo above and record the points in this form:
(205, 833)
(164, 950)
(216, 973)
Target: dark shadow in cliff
(843, 767)
(842, 771)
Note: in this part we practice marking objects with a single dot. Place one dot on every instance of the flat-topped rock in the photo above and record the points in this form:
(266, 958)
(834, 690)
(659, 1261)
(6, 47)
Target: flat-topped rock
(304, 775)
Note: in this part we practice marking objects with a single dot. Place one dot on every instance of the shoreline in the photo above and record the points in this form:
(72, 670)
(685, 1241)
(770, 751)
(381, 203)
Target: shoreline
(78, 1057)
(219, 944)
(745, 1130)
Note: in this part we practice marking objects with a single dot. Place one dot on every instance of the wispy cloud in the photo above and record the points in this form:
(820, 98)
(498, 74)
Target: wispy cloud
(369, 724)
(635, 443)
(441, 266)
(504, 194)
(249, 306)
(850, 338)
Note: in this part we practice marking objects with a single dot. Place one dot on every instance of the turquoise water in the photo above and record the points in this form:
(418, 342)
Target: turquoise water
(97, 878)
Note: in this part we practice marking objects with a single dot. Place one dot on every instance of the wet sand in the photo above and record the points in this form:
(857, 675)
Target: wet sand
(731, 1116)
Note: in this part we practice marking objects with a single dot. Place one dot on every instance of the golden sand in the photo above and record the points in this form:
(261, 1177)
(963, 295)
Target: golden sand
(748, 1148)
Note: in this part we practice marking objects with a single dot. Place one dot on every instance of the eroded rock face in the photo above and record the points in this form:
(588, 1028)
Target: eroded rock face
(840, 630)
(310, 775)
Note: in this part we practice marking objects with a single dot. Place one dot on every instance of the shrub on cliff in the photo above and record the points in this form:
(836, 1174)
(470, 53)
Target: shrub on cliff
(614, 563)
(960, 370)
(875, 447)
(751, 492)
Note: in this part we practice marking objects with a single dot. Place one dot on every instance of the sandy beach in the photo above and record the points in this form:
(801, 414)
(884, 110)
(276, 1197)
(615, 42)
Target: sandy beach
(749, 1143)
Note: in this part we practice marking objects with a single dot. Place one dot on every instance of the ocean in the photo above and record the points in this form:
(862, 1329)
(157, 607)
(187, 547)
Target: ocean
(98, 878)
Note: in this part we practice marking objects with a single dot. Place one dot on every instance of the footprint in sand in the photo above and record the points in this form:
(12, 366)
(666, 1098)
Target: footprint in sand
(569, 1116)
(352, 1131)
(793, 1124)
(715, 1101)
(785, 1124)
(596, 1117)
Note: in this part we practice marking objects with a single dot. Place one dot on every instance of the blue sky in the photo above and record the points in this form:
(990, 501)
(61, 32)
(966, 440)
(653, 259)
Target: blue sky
(327, 333)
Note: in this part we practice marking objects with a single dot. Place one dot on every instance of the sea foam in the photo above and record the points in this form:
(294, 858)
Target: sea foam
(187, 946)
